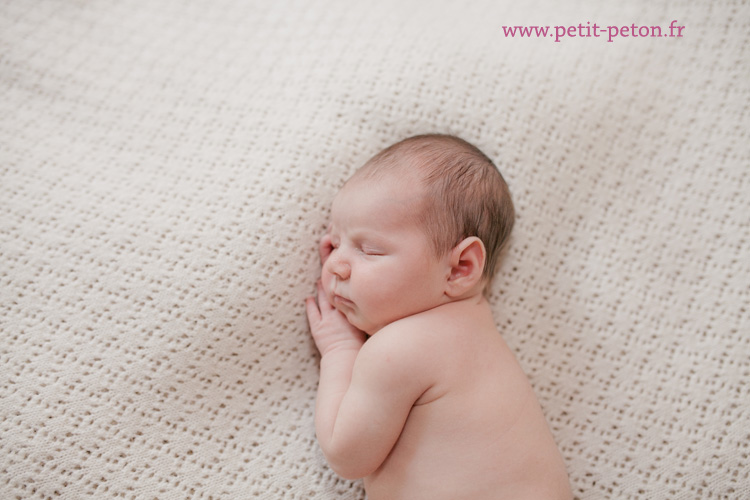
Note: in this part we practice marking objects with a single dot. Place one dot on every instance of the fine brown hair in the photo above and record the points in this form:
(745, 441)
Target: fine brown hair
(464, 192)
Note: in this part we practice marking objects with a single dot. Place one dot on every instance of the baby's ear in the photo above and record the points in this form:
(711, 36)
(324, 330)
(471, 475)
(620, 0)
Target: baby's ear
(467, 263)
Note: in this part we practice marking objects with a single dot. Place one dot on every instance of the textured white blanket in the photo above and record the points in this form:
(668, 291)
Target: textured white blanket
(166, 169)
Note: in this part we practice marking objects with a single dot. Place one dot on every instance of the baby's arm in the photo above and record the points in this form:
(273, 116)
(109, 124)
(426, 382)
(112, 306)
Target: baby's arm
(387, 379)
(339, 343)
(365, 393)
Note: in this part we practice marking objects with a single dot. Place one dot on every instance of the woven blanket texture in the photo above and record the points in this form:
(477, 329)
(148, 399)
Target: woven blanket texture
(166, 170)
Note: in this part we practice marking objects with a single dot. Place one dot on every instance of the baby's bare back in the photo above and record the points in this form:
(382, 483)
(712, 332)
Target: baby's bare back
(478, 431)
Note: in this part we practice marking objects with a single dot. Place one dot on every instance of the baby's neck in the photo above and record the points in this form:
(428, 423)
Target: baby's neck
(478, 292)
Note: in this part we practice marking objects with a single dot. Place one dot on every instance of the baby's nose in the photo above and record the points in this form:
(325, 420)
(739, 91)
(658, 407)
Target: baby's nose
(338, 266)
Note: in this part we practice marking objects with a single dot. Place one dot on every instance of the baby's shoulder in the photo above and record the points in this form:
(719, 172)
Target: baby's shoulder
(399, 358)
(408, 340)
(419, 335)
(403, 334)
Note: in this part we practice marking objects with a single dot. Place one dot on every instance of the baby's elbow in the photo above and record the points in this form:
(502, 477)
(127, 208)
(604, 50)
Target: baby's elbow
(351, 464)
(349, 470)
(344, 471)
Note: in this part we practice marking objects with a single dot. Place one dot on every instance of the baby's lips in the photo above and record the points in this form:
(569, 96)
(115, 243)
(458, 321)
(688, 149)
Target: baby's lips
(343, 301)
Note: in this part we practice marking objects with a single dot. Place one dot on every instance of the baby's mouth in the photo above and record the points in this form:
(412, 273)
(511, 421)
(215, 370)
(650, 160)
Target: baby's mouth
(338, 300)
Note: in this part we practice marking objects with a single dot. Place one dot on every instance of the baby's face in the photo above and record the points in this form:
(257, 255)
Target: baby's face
(382, 267)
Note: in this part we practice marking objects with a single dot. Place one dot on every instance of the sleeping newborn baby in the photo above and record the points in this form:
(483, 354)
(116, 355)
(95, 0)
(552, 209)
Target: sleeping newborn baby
(419, 394)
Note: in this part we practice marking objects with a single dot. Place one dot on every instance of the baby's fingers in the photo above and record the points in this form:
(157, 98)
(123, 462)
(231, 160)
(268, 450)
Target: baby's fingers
(323, 303)
(313, 313)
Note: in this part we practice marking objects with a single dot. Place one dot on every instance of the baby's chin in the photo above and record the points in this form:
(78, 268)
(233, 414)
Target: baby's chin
(350, 318)
(359, 325)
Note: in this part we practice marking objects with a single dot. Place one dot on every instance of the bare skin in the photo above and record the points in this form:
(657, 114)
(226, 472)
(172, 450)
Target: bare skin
(433, 405)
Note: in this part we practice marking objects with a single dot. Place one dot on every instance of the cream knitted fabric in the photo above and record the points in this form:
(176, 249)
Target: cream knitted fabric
(166, 170)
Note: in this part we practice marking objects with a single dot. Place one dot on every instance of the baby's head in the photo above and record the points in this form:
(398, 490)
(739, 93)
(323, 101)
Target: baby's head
(464, 193)
(419, 225)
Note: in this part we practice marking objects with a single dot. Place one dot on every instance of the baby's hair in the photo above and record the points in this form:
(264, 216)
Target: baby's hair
(465, 194)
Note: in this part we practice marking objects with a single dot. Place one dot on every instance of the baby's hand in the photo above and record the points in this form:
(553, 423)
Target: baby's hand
(330, 329)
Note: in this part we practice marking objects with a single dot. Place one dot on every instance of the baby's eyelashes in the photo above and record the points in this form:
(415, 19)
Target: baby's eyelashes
(355, 245)
(370, 251)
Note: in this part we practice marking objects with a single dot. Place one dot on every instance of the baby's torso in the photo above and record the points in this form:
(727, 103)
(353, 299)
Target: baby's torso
(478, 431)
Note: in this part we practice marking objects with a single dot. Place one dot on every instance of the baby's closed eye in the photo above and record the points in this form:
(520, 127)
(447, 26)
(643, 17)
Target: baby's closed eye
(370, 250)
